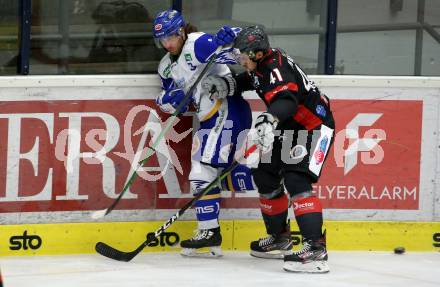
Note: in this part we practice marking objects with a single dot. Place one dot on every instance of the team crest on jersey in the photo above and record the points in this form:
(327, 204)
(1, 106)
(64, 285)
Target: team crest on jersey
(298, 152)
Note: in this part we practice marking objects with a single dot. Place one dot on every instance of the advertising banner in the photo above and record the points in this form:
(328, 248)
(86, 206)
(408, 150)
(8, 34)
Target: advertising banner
(77, 155)
(375, 161)
(71, 155)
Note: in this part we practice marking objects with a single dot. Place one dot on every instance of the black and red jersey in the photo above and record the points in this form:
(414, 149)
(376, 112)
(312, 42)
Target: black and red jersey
(287, 92)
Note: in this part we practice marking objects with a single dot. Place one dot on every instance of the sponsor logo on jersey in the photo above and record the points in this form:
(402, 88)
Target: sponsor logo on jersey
(297, 205)
(208, 208)
(266, 206)
(167, 71)
(320, 110)
(205, 209)
(242, 181)
(320, 153)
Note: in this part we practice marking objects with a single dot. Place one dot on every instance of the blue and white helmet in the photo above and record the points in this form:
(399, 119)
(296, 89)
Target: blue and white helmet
(167, 23)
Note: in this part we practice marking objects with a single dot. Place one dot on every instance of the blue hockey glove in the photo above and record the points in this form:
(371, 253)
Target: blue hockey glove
(226, 35)
(169, 100)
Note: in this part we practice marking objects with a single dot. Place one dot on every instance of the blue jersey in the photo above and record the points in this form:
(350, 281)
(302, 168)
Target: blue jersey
(223, 121)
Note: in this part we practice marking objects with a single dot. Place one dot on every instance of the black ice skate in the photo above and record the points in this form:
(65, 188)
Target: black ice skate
(273, 246)
(205, 238)
(312, 258)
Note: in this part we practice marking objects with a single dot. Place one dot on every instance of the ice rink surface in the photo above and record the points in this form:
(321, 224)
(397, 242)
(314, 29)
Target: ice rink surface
(233, 269)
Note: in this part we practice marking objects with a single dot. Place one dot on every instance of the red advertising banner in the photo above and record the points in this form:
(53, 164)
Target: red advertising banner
(375, 160)
(76, 155)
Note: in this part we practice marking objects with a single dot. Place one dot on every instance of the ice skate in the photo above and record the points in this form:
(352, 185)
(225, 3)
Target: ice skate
(272, 247)
(205, 243)
(312, 258)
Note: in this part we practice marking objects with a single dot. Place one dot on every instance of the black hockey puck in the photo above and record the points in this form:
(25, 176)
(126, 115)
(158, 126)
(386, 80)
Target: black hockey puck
(399, 250)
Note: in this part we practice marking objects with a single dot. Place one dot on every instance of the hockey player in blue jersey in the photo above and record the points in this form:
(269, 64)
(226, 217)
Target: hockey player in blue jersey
(224, 116)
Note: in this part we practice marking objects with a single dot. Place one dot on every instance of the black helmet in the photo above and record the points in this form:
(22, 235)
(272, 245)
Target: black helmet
(252, 39)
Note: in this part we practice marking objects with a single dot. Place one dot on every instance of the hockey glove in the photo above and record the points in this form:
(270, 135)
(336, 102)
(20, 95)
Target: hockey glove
(219, 87)
(169, 100)
(226, 35)
(263, 132)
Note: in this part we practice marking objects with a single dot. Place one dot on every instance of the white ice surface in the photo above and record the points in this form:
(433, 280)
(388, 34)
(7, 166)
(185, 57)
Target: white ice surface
(233, 269)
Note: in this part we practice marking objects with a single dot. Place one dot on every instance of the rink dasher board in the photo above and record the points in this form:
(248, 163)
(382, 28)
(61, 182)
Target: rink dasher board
(80, 238)
(406, 195)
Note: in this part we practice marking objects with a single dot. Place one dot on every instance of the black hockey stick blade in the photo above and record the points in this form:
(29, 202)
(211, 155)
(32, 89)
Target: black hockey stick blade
(112, 253)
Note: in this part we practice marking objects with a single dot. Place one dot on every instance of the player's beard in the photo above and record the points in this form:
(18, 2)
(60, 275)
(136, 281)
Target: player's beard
(175, 51)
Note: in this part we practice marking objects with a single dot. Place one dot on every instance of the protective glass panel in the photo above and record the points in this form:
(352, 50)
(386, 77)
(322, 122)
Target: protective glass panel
(402, 35)
(8, 37)
(94, 36)
(297, 27)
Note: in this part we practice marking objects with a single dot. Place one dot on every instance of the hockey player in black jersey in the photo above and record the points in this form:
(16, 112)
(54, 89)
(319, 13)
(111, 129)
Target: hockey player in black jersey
(294, 136)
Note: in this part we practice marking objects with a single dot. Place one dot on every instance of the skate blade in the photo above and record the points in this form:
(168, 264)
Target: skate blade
(276, 254)
(320, 266)
(208, 252)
